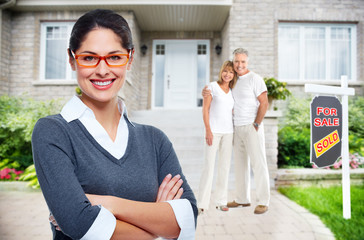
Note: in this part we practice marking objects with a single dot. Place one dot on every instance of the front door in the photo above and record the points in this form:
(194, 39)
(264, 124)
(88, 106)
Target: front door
(176, 73)
(180, 74)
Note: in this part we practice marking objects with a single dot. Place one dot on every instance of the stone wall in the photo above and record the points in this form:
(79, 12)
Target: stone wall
(316, 177)
(271, 141)
(132, 89)
(5, 40)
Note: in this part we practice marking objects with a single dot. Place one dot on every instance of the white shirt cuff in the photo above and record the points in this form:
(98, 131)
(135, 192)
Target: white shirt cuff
(103, 226)
(185, 218)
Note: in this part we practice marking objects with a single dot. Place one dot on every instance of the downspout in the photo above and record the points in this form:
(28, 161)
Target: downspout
(3, 6)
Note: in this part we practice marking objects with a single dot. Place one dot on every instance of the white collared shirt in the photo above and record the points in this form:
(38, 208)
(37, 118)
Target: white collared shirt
(104, 225)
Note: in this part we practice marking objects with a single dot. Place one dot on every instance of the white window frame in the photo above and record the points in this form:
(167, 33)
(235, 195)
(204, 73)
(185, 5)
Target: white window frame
(328, 26)
(42, 80)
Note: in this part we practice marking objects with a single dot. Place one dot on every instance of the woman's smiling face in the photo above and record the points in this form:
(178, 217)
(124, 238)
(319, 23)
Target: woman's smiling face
(101, 83)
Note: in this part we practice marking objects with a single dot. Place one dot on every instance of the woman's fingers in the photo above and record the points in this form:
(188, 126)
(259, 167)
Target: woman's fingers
(169, 189)
(162, 186)
(54, 222)
(172, 194)
(179, 194)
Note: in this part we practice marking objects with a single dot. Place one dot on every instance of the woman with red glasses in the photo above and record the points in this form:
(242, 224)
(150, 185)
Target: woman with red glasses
(102, 176)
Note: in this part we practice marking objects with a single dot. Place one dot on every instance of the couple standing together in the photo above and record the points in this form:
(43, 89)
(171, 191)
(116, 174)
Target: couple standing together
(233, 112)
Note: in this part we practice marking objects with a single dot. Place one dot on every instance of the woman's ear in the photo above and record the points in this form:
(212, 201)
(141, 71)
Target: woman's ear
(131, 58)
(71, 60)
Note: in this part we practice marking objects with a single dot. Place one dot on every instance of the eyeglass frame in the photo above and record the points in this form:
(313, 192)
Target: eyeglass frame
(129, 56)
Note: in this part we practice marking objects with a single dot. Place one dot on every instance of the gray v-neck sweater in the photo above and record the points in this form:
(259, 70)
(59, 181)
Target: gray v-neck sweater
(69, 163)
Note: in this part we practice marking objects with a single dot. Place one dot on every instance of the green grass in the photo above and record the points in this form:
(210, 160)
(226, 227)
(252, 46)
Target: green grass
(327, 204)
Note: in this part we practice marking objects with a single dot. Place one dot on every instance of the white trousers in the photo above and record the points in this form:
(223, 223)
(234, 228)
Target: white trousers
(224, 144)
(249, 149)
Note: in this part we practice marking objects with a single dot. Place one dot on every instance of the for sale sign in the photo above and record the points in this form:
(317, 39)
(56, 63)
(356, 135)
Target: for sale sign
(326, 130)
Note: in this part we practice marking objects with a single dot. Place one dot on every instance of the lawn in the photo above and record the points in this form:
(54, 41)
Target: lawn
(327, 204)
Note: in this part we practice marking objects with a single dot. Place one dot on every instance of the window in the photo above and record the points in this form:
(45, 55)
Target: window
(53, 56)
(309, 52)
(202, 68)
(159, 77)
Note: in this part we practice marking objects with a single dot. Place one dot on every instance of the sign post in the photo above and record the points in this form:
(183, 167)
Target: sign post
(344, 91)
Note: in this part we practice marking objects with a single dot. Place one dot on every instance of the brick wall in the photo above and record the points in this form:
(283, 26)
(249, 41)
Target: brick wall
(5, 51)
(131, 91)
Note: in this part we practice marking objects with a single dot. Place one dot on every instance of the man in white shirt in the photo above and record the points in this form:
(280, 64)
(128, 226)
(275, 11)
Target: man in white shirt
(251, 104)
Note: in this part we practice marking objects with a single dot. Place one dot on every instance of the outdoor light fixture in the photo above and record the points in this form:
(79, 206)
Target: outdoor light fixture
(144, 49)
(218, 49)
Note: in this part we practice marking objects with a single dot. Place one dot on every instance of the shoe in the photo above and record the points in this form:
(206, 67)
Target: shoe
(201, 211)
(223, 208)
(234, 204)
(260, 209)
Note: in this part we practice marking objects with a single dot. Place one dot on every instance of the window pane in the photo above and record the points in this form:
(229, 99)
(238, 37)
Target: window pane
(56, 55)
(201, 77)
(159, 76)
(56, 59)
(289, 59)
(201, 71)
(340, 52)
(315, 53)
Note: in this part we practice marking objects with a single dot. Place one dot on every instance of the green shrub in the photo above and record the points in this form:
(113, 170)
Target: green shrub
(356, 116)
(17, 119)
(294, 147)
(30, 176)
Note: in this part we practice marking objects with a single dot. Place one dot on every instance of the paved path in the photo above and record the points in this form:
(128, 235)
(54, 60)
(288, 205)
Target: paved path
(24, 215)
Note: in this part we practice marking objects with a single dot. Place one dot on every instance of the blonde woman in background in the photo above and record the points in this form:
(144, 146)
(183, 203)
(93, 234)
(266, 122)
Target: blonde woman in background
(217, 116)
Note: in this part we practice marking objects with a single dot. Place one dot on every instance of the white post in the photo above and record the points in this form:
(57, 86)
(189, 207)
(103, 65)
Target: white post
(345, 153)
(344, 91)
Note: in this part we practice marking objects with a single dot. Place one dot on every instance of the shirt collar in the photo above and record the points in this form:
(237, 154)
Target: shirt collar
(75, 108)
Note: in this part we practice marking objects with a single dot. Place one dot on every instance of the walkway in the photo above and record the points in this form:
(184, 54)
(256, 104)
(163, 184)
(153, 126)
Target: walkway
(24, 216)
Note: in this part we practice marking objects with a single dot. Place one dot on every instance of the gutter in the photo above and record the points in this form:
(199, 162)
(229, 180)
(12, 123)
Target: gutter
(8, 4)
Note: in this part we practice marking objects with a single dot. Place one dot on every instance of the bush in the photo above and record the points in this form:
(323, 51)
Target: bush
(276, 89)
(294, 147)
(356, 116)
(30, 176)
(17, 119)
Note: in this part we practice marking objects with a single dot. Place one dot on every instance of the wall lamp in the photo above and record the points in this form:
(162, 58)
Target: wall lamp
(218, 49)
(143, 49)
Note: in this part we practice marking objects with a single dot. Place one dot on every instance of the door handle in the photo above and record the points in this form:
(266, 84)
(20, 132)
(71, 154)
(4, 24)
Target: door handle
(168, 82)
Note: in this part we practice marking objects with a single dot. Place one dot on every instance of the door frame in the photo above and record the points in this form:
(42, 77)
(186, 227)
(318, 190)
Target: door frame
(165, 42)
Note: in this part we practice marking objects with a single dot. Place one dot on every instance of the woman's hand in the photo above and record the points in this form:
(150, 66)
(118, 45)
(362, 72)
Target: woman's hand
(209, 137)
(206, 92)
(54, 222)
(170, 188)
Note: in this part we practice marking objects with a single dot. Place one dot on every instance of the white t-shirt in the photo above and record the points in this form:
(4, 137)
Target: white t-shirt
(221, 109)
(245, 93)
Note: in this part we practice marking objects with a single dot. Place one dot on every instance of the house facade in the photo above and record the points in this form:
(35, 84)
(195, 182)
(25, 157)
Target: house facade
(180, 45)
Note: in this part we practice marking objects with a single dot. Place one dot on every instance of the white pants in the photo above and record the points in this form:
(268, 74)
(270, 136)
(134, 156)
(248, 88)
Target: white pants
(224, 144)
(249, 148)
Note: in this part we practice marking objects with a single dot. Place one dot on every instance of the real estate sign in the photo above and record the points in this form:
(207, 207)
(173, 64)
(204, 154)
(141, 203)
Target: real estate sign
(326, 130)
